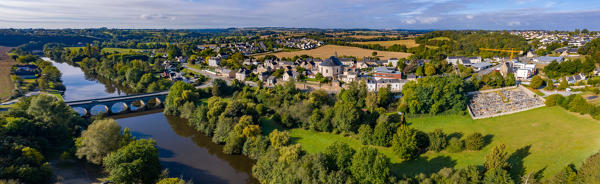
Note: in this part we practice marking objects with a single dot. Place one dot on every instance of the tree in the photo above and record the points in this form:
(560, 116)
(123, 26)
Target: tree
(497, 158)
(455, 145)
(279, 139)
(171, 181)
(564, 84)
(437, 140)
(174, 98)
(365, 134)
(219, 87)
(345, 116)
(136, 162)
(419, 71)
(589, 172)
(384, 131)
(430, 70)
(549, 85)
(536, 82)
(497, 176)
(101, 138)
(384, 97)
(370, 166)
(373, 53)
(509, 80)
(26, 59)
(404, 143)
(474, 141)
(338, 156)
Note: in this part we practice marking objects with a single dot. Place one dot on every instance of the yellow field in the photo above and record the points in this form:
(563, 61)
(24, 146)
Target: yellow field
(408, 43)
(372, 36)
(5, 65)
(328, 51)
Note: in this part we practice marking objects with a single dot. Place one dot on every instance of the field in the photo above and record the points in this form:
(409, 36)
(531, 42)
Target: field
(110, 50)
(408, 43)
(372, 36)
(440, 38)
(5, 65)
(547, 138)
(328, 51)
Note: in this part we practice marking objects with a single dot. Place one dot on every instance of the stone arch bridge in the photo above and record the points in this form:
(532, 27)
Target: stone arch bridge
(84, 107)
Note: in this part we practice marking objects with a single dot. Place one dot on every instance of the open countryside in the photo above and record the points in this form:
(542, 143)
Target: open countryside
(408, 43)
(328, 50)
(302, 92)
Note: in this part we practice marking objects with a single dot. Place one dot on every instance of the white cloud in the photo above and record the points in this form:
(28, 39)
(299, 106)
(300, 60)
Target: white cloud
(421, 20)
(514, 23)
(469, 17)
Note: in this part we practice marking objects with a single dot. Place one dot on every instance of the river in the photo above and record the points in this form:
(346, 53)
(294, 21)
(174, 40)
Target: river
(183, 151)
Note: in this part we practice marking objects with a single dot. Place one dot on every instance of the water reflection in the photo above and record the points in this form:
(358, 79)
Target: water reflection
(188, 153)
(81, 86)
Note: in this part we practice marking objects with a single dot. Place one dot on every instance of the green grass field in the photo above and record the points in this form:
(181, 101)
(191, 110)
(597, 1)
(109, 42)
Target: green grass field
(546, 138)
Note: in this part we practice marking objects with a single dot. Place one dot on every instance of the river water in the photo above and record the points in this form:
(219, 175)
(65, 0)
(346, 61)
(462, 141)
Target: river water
(183, 151)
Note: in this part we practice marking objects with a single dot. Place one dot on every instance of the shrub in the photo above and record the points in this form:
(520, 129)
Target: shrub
(455, 145)
(437, 140)
(474, 141)
(554, 100)
(536, 82)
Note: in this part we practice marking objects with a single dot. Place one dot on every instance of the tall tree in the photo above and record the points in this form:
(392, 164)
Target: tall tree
(135, 163)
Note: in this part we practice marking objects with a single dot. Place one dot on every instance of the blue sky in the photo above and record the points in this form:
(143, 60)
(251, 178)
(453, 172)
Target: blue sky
(377, 14)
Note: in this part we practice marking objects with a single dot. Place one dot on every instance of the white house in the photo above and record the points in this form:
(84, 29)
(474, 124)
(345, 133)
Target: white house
(393, 62)
(395, 85)
(214, 61)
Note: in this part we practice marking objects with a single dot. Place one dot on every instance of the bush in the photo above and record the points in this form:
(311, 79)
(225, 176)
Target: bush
(437, 140)
(536, 82)
(405, 143)
(474, 141)
(455, 145)
(554, 100)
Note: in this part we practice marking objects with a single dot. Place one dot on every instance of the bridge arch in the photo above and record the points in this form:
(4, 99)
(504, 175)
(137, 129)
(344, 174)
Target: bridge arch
(154, 102)
(81, 111)
(119, 107)
(99, 109)
(137, 105)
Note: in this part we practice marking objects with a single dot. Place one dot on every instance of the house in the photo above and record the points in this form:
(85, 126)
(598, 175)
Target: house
(227, 73)
(361, 65)
(386, 73)
(454, 60)
(222, 55)
(523, 71)
(263, 76)
(349, 76)
(290, 75)
(576, 78)
(481, 66)
(214, 61)
(250, 61)
(393, 62)
(26, 71)
(331, 67)
(271, 81)
(242, 74)
(548, 59)
(530, 54)
(347, 61)
(506, 68)
(411, 77)
(394, 85)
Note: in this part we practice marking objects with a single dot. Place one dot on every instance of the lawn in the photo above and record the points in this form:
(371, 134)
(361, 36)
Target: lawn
(408, 43)
(328, 51)
(546, 138)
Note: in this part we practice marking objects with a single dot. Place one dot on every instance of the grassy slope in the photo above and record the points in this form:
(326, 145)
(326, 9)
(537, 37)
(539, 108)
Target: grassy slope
(5, 66)
(547, 138)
